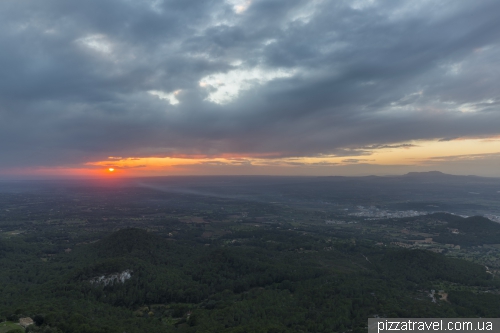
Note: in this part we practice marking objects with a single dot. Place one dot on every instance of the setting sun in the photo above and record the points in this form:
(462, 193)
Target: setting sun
(111, 169)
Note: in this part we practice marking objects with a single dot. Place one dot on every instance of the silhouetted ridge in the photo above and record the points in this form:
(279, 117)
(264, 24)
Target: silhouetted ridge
(427, 174)
(438, 175)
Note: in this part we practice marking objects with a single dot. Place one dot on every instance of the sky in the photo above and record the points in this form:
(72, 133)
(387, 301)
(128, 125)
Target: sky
(248, 87)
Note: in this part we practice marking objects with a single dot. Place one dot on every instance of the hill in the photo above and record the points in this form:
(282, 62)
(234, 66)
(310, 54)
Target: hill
(273, 281)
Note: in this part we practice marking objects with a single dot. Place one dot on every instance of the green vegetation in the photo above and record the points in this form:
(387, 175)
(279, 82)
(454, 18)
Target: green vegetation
(10, 327)
(265, 283)
(138, 260)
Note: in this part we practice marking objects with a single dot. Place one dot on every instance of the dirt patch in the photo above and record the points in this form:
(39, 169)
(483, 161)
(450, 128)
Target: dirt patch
(444, 296)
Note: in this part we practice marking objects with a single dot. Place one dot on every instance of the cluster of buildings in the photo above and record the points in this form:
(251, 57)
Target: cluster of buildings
(339, 222)
(375, 213)
(492, 217)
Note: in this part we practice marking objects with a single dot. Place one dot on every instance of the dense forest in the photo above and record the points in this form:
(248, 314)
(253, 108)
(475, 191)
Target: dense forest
(249, 281)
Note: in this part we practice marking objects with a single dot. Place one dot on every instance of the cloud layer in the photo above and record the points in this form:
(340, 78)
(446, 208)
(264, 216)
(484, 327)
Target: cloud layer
(85, 80)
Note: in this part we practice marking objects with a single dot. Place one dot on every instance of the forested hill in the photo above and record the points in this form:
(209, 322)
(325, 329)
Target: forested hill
(278, 281)
(471, 231)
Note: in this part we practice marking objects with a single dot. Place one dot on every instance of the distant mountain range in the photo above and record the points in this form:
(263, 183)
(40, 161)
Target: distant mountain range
(435, 174)
(438, 175)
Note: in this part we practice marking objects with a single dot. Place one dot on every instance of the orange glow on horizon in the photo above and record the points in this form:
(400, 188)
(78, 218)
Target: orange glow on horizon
(404, 156)
(414, 153)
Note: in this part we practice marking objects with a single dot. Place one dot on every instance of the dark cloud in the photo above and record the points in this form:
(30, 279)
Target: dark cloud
(110, 165)
(404, 145)
(468, 157)
(355, 160)
(282, 78)
(447, 139)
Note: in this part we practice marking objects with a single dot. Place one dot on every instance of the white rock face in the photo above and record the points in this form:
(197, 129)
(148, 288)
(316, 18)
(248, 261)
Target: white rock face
(112, 278)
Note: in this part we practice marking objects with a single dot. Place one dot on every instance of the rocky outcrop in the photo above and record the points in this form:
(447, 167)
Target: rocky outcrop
(111, 279)
(25, 322)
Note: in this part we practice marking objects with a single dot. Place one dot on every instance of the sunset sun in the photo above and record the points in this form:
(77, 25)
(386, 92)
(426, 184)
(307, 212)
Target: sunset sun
(276, 166)
(156, 106)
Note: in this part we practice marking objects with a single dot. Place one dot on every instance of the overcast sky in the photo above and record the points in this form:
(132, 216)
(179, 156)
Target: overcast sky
(272, 81)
